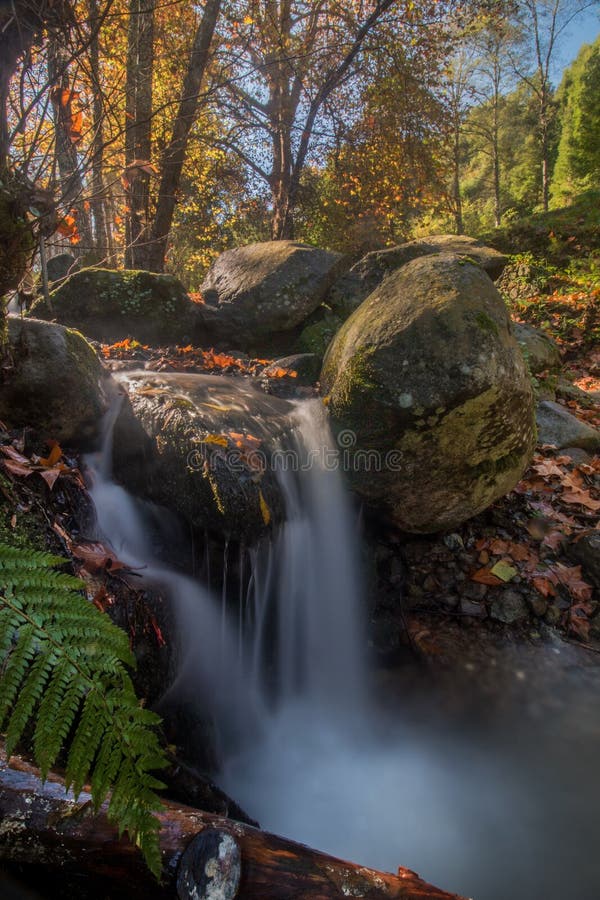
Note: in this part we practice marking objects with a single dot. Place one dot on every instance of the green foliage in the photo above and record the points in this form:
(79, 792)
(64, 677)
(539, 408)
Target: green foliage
(578, 162)
(63, 667)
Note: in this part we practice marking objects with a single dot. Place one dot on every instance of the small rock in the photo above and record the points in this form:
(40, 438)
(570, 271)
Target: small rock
(538, 605)
(558, 427)
(552, 616)
(453, 542)
(578, 456)
(566, 390)
(540, 351)
(210, 867)
(470, 608)
(586, 552)
(509, 607)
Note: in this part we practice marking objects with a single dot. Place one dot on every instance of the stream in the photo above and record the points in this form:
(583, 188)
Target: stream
(371, 766)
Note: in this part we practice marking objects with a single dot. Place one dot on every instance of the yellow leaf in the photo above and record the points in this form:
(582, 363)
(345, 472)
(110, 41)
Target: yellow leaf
(503, 571)
(264, 508)
(215, 439)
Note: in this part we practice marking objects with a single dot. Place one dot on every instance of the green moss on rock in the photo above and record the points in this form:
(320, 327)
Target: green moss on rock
(428, 369)
(110, 305)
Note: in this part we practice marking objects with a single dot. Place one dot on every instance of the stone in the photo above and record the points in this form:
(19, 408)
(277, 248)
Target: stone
(319, 332)
(54, 383)
(307, 367)
(61, 266)
(509, 607)
(181, 442)
(558, 427)
(540, 351)
(472, 608)
(566, 390)
(253, 293)
(367, 274)
(586, 552)
(110, 306)
(429, 393)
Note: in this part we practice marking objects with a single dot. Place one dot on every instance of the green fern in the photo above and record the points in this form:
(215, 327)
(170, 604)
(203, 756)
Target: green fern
(64, 665)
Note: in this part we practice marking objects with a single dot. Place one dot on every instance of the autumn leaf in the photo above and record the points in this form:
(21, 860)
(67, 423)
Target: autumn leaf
(548, 469)
(503, 571)
(264, 508)
(581, 498)
(218, 439)
(53, 457)
(96, 557)
(484, 576)
(544, 586)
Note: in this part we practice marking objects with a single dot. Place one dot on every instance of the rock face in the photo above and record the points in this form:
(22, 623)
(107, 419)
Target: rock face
(540, 352)
(201, 445)
(55, 383)
(430, 395)
(254, 292)
(61, 266)
(558, 427)
(367, 274)
(110, 306)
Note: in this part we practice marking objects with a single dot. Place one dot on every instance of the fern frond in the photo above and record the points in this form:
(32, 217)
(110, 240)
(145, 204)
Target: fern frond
(64, 666)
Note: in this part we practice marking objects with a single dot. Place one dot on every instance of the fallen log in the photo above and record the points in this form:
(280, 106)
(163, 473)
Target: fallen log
(56, 841)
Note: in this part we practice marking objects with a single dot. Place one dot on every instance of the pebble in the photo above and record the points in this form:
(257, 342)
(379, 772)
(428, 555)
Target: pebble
(509, 607)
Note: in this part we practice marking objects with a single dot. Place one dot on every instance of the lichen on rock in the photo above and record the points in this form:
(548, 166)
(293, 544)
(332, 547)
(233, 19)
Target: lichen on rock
(428, 377)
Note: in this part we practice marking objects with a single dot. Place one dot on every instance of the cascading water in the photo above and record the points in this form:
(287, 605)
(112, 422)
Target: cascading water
(276, 659)
(294, 633)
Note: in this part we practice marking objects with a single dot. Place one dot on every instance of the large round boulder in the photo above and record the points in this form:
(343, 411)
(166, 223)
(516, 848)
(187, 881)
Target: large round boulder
(355, 286)
(254, 293)
(53, 382)
(430, 395)
(109, 305)
(202, 446)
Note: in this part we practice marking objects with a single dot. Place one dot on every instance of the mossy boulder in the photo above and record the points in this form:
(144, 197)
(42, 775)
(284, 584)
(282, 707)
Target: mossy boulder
(264, 290)
(201, 445)
(355, 286)
(319, 332)
(53, 382)
(430, 395)
(109, 305)
(540, 351)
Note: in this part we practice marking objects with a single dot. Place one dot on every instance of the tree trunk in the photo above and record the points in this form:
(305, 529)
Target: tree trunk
(496, 165)
(458, 217)
(98, 198)
(138, 129)
(71, 181)
(49, 838)
(174, 156)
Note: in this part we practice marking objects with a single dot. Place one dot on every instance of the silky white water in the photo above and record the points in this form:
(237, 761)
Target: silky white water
(509, 812)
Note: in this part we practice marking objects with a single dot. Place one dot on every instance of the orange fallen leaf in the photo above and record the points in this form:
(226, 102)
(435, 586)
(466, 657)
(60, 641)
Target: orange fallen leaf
(544, 586)
(484, 576)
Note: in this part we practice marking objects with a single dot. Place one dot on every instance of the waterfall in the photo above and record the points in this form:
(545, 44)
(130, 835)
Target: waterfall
(270, 648)
(292, 631)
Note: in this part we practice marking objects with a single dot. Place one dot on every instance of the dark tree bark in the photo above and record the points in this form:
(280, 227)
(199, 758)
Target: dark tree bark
(174, 156)
(98, 200)
(46, 833)
(138, 129)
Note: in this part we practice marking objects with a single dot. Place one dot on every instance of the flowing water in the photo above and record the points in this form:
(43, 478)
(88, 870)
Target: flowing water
(492, 812)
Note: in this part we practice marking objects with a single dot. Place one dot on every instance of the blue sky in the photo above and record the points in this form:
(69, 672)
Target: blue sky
(584, 30)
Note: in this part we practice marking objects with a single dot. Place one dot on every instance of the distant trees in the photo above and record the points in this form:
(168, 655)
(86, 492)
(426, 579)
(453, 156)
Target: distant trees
(578, 100)
(156, 132)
